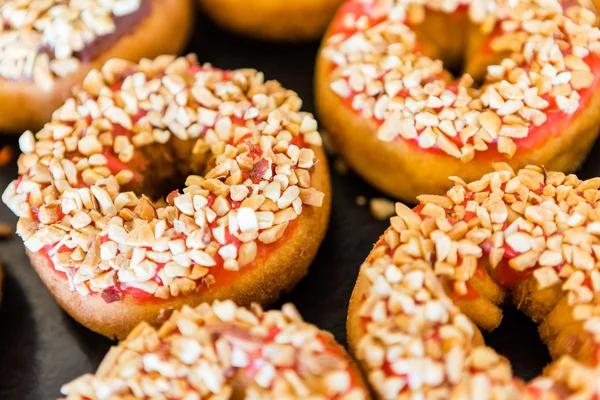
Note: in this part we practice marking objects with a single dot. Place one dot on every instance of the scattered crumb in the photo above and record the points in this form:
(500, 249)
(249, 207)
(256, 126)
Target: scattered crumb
(381, 208)
(340, 166)
(361, 200)
(6, 155)
(5, 230)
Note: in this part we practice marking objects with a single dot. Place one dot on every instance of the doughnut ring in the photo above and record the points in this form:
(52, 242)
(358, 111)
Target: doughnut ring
(246, 226)
(447, 264)
(223, 351)
(393, 110)
(48, 46)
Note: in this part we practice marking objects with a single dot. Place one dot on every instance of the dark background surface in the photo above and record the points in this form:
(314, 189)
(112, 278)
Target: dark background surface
(41, 347)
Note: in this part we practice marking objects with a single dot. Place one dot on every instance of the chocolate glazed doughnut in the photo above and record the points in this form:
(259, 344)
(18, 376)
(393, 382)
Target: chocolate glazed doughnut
(47, 48)
(246, 226)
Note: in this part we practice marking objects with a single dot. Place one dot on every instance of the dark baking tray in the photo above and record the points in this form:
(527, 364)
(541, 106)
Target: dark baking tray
(41, 347)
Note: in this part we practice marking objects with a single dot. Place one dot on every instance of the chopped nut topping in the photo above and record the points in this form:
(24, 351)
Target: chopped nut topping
(542, 224)
(382, 208)
(197, 352)
(545, 51)
(44, 39)
(80, 176)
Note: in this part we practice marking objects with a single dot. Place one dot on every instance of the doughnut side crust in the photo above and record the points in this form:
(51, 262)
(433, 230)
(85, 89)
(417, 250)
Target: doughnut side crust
(270, 276)
(373, 159)
(273, 19)
(23, 105)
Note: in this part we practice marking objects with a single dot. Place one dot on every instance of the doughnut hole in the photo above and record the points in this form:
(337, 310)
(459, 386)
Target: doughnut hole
(461, 50)
(163, 168)
(561, 324)
(548, 306)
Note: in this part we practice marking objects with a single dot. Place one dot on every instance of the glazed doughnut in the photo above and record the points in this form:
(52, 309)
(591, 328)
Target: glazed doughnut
(385, 97)
(48, 47)
(450, 261)
(246, 226)
(223, 351)
(273, 19)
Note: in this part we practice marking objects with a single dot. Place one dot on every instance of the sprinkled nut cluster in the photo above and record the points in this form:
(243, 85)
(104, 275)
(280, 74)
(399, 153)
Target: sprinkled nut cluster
(42, 39)
(417, 342)
(550, 221)
(238, 128)
(546, 49)
(202, 353)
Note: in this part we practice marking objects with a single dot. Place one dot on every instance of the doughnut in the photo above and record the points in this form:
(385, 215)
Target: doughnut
(48, 46)
(529, 93)
(278, 20)
(223, 351)
(440, 271)
(252, 212)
